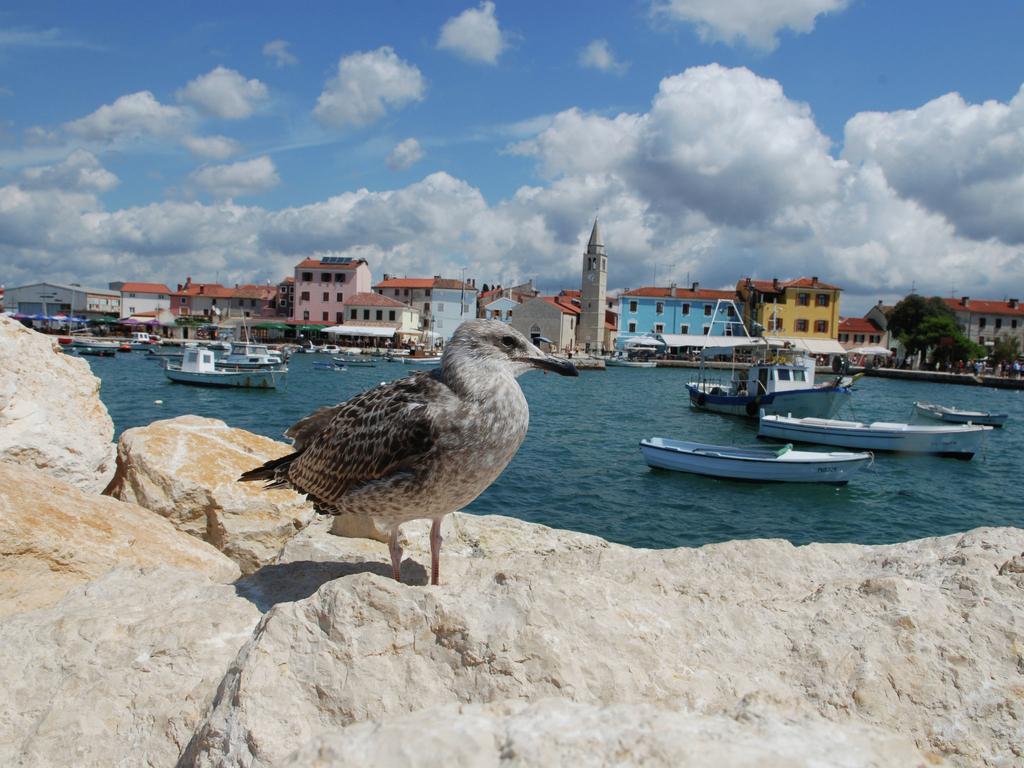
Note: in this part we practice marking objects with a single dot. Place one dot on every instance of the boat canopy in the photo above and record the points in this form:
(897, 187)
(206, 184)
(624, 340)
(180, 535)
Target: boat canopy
(643, 341)
(876, 350)
(383, 331)
(701, 341)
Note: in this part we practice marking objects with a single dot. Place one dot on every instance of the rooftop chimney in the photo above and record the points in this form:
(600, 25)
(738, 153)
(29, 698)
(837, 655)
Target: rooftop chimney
(775, 283)
(964, 300)
(1013, 303)
(814, 280)
(695, 286)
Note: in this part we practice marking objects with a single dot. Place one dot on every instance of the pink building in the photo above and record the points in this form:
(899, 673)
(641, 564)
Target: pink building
(322, 286)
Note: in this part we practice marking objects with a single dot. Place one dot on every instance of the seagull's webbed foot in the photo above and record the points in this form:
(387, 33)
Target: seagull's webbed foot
(435, 551)
(395, 549)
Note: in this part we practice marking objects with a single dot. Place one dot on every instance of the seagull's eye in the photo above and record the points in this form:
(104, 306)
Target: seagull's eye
(508, 342)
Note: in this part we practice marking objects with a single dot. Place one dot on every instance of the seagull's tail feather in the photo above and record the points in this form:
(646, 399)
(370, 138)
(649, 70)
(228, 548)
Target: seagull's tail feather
(274, 471)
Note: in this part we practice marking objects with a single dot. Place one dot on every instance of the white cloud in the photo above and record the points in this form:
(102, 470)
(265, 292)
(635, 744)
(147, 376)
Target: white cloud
(755, 22)
(474, 34)
(366, 86)
(405, 154)
(134, 116)
(212, 147)
(598, 55)
(965, 161)
(224, 93)
(277, 50)
(79, 172)
(248, 177)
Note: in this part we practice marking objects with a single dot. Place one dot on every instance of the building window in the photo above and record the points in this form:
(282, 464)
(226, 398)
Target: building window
(875, 339)
(405, 292)
(631, 327)
(707, 310)
(304, 296)
(707, 329)
(391, 314)
(801, 325)
(325, 316)
(821, 326)
(803, 299)
(684, 329)
(858, 338)
(339, 317)
(999, 323)
(981, 322)
(440, 306)
(307, 277)
(184, 301)
(426, 291)
(632, 305)
(325, 277)
(821, 299)
(340, 277)
(339, 297)
(305, 315)
(731, 310)
(380, 314)
(659, 308)
(1013, 323)
(426, 306)
(366, 314)
(844, 337)
(327, 296)
(659, 327)
(353, 314)
(686, 309)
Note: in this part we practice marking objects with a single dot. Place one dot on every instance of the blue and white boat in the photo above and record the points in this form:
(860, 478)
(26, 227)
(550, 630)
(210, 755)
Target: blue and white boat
(777, 380)
(783, 465)
(245, 354)
(198, 367)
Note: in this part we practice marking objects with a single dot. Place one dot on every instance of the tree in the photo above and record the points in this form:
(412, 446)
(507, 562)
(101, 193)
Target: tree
(947, 342)
(1006, 350)
(908, 315)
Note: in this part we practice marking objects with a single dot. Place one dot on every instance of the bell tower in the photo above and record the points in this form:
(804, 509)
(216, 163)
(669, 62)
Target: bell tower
(590, 330)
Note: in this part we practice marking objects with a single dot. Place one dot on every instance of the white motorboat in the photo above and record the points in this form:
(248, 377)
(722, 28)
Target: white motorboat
(143, 340)
(758, 463)
(364, 362)
(778, 380)
(245, 354)
(620, 360)
(330, 349)
(95, 347)
(412, 360)
(960, 416)
(959, 441)
(198, 366)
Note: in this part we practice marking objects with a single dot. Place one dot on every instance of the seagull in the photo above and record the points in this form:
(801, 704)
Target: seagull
(421, 446)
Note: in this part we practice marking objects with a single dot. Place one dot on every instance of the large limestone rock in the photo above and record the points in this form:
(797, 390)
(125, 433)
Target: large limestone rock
(54, 537)
(118, 672)
(187, 469)
(51, 416)
(923, 638)
(556, 732)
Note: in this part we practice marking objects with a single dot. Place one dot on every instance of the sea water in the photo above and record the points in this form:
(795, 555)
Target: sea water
(580, 467)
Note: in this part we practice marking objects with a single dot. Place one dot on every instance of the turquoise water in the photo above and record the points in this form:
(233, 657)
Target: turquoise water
(580, 467)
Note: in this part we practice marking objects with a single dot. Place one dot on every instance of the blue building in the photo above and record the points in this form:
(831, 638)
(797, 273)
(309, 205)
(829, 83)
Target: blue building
(682, 316)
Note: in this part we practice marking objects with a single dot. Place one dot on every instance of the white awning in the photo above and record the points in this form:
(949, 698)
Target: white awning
(876, 350)
(643, 341)
(701, 341)
(814, 346)
(361, 330)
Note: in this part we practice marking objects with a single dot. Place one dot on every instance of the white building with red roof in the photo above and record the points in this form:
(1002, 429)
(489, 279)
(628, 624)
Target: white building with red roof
(443, 303)
(139, 298)
(985, 321)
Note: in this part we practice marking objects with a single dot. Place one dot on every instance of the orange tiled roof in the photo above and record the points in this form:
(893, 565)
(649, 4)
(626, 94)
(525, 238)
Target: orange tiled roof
(373, 300)
(679, 293)
(251, 291)
(213, 290)
(985, 306)
(317, 263)
(424, 282)
(146, 288)
(858, 325)
(768, 286)
(566, 306)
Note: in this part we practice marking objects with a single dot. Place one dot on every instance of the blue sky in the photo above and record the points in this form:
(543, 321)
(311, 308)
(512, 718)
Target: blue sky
(878, 145)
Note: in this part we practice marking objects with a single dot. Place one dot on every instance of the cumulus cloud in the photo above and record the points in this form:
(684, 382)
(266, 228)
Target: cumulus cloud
(134, 116)
(598, 55)
(754, 22)
(405, 154)
(224, 93)
(248, 177)
(366, 86)
(277, 51)
(79, 172)
(474, 34)
(212, 147)
(965, 161)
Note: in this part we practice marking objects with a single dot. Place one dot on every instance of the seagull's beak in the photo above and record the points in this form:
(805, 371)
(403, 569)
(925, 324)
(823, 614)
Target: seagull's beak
(549, 363)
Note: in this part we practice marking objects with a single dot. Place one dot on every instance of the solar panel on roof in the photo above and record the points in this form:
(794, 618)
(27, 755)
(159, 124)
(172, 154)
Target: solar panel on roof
(336, 260)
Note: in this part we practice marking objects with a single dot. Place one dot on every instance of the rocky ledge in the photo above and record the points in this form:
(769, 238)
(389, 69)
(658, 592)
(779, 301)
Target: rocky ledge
(127, 638)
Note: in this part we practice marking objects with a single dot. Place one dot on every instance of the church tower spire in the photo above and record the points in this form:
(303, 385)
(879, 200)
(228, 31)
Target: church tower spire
(590, 330)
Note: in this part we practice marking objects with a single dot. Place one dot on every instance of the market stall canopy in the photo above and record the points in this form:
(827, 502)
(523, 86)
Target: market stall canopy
(361, 330)
(813, 346)
(644, 341)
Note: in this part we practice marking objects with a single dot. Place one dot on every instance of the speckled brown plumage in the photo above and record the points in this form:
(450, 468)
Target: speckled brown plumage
(422, 446)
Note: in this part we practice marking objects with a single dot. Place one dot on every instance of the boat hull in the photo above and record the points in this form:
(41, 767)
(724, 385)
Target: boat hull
(251, 379)
(752, 464)
(822, 403)
(614, 363)
(960, 442)
(957, 416)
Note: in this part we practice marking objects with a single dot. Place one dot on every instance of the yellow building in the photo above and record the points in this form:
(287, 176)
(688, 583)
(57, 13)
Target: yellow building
(805, 308)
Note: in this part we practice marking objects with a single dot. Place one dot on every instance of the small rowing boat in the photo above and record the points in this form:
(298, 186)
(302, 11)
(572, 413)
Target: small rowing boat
(960, 416)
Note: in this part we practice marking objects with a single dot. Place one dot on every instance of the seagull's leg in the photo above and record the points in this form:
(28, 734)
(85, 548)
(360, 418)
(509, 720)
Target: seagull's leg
(396, 554)
(435, 550)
